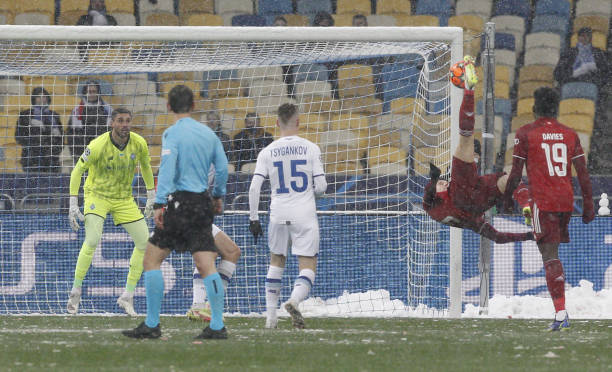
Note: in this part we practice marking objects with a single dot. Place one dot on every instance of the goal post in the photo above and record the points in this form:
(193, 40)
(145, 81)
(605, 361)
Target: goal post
(376, 100)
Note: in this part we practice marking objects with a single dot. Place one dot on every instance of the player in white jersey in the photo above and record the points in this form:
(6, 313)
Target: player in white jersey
(229, 252)
(296, 174)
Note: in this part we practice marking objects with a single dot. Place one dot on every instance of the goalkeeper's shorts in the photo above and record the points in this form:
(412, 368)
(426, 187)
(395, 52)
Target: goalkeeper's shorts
(188, 220)
(123, 210)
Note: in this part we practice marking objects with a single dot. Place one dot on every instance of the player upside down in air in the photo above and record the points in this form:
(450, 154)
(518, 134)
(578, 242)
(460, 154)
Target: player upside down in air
(463, 201)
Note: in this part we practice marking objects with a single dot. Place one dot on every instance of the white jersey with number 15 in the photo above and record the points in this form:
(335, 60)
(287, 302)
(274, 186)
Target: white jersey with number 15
(296, 173)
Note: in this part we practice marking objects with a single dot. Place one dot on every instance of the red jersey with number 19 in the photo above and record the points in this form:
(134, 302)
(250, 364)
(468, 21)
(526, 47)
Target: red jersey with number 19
(548, 147)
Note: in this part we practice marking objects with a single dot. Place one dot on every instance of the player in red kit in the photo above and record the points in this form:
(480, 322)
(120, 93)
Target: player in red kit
(463, 201)
(549, 149)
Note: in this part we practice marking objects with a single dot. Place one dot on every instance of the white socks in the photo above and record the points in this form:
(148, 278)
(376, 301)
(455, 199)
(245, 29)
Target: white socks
(273, 289)
(302, 286)
(226, 270)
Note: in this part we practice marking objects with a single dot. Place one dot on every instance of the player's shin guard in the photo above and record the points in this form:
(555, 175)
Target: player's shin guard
(302, 286)
(199, 290)
(226, 271)
(216, 294)
(555, 281)
(466, 114)
(154, 286)
(83, 263)
(273, 289)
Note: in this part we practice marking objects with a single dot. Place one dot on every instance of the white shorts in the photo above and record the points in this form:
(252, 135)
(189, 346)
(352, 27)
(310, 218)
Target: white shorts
(303, 238)
(215, 230)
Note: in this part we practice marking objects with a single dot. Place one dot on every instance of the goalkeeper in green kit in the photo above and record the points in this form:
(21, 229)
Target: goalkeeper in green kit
(111, 160)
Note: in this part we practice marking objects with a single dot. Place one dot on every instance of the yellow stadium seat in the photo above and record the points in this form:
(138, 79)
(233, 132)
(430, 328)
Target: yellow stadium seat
(239, 106)
(524, 106)
(224, 88)
(577, 106)
(470, 23)
(363, 105)
(355, 80)
(386, 154)
(424, 156)
(596, 23)
(349, 121)
(536, 73)
(8, 8)
(192, 7)
(417, 20)
(318, 104)
(70, 17)
(342, 159)
(155, 154)
(354, 7)
(520, 120)
(526, 89)
(343, 20)
(403, 105)
(177, 77)
(502, 90)
(14, 104)
(599, 40)
(204, 20)
(10, 160)
(161, 19)
(426, 131)
(119, 6)
(578, 122)
(74, 5)
(393, 7)
(296, 20)
(64, 104)
(312, 123)
(35, 6)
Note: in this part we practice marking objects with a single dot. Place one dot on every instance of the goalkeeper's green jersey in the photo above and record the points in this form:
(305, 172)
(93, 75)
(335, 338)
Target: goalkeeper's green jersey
(110, 171)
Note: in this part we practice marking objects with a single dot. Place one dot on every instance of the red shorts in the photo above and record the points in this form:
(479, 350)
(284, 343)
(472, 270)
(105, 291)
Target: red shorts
(550, 227)
(470, 192)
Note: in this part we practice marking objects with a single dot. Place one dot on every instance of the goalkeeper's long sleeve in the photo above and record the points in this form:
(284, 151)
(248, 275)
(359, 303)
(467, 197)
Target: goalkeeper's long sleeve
(254, 191)
(75, 178)
(145, 169)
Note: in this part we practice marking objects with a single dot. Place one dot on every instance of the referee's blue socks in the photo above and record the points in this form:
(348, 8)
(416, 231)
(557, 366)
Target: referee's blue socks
(214, 290)
(154, 286)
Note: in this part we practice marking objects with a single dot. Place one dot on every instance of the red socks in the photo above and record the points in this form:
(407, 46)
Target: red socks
(466, 114)
(521, 195)
(555, 281)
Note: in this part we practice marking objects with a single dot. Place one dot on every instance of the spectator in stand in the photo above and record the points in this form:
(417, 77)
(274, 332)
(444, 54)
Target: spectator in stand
(359, 20)
(583, 62)
(39, 132)
(323, 19)
(280, 21)
(214, 122)
(250, 141)
(96, 15)
(88, 120)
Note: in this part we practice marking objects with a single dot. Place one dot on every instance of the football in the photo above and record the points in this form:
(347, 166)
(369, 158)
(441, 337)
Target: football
(457, 75)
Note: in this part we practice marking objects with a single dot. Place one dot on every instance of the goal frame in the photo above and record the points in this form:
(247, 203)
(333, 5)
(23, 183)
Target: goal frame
(451, 35)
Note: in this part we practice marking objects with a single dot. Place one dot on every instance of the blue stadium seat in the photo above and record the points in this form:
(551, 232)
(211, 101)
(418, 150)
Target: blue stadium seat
(440, 8)
(270, 7)
(503, 107)
(248, 20)
(502, 41)
(438, 107)
(551, 23)
(309, 72)
(553, 7)
(519, 8)
(399, 80)
(312, 7)
(579, 90)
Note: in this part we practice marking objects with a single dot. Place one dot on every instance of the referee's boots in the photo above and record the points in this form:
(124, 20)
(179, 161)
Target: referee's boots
(143, 331)
(211, 334)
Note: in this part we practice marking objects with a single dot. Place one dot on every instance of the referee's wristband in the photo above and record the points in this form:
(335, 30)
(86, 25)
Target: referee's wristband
(158, 206)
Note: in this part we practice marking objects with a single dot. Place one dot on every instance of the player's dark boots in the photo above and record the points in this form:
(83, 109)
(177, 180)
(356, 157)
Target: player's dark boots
(143, 331)
(296, 317)
(211, 334)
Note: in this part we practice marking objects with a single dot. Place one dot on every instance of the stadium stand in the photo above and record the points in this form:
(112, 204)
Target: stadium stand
(353, 7)
(393, 7)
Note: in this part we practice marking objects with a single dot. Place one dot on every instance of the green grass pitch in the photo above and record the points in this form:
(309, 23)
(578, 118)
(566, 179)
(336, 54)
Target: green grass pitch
(95, 343)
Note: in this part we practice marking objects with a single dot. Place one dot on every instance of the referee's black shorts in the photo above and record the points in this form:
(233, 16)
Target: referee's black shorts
(188, 222)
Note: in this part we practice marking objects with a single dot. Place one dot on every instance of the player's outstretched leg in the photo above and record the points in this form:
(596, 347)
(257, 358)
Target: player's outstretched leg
(200, 308)
(302, 287)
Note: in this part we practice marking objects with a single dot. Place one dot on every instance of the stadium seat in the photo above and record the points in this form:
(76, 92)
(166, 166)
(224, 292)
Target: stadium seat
(527, 88)
(426, 130)
(542, 56)
(307, 72)
(387, 154)
(577, 106)
(393, 7)
(480, 8)
(74, 5)
(596, 23)
(134, 87)
(343, 20)
(594, 7)
(553, 7)
(205, 20)
(520, 8)
(33, 19)
(125, 19)
(499, 127)
(10, 160)
(341, 137)
(520, 120)
(353, 7)
(579, 90)
(274, 7)
(439, 8)
(312, 7)
(318, 104)
(472, 23)
(536, 73)
(403, 106)
(502, 41)
(543, 39)
(187, 8)
(312, 88)
(12, 87)
(36, 6)
(246, 75)
(388, 169)
(514, 25)
(423, 156)
(599, 40)
(355, 80)
(234, 6)
(551, 23)
(524, 106)
(270, 104)
(147, 7)
(252, 20)
(167, 86)
(503, 107)
(122, 6)
(399, 80)
(368, 106)
(342, 159)
(161, 19)
(578, 122)
(295, 20)
(14, 104)
(266, 87)
(417, 20)
(236, 106)
(349, 121)
(386, 20)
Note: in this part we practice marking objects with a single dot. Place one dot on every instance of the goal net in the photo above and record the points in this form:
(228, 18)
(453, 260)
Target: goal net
(376, 101)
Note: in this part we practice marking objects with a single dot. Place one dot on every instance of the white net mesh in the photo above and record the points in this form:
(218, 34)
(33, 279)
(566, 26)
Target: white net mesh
(380, 112)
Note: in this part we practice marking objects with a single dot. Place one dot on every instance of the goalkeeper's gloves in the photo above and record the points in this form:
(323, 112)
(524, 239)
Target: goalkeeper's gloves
(148, 211)
(255, 228)
(527, 215)
(74, 214)
(471, 78)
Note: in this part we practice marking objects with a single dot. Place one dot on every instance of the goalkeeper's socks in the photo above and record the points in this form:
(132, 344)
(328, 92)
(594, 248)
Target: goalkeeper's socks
(214, 289)
(226, 271)
(273, 289)
(154, 286)
(302, 286)
(199, 290)
(555, 281)
(466, 114)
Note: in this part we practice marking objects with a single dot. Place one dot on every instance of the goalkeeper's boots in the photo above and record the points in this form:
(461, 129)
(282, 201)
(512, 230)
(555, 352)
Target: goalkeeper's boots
(471, 78)
(296, 317)
(126, 302)
(527, 214)
(211, 334)
(74, 299)
(199, 313)
(143, 331)
(560, 325)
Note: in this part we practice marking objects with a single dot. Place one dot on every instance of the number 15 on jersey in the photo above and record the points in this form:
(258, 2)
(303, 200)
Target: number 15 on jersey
(298, 179)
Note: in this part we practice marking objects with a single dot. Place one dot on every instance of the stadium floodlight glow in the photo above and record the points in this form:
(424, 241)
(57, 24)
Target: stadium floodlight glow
(376, 100)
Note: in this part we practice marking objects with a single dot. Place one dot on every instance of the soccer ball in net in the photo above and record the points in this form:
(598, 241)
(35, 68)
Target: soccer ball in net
(457, 74)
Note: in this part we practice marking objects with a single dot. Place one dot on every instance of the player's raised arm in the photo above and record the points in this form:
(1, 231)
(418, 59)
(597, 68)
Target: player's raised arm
(318, 173)
(578, 160)
(167, 168)
(254, 190)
